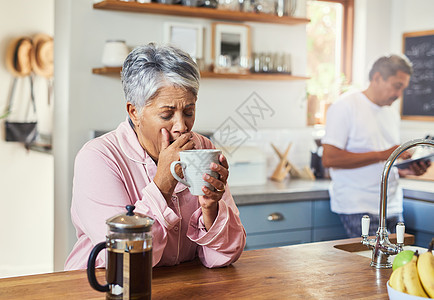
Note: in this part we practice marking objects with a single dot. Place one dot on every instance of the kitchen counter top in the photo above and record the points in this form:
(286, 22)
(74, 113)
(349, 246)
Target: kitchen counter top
(418, 189)
(305, 271)
(297, 190)
(281, 191)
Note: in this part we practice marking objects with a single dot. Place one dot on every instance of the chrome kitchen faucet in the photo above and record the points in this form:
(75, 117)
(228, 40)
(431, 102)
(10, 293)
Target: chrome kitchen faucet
(381, 247)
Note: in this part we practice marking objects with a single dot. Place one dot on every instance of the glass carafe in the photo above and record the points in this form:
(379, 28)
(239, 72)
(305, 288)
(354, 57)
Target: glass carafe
(128, 259)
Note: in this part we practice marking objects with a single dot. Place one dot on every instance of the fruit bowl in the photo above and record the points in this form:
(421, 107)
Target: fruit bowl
(396, 295)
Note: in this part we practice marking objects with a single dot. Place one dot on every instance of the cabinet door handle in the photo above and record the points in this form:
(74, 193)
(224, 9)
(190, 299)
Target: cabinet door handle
(275, 217)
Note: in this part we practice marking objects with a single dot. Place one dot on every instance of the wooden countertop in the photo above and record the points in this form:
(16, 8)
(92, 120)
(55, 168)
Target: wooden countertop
(305, 271)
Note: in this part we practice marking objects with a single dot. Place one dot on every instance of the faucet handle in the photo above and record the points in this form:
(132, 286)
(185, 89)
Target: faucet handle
(365, 225)
(400, 229)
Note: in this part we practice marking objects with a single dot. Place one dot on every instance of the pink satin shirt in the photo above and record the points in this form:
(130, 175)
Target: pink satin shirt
(113, 171)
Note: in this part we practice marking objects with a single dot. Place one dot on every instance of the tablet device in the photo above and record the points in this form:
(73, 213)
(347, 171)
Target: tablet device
(405, 164)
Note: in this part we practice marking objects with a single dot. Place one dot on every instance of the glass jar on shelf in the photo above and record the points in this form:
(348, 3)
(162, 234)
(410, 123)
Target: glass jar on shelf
(210, 3)
(287, 65)
(266, 63)
(266, 6)
(228, 5)
(244, 64)
(256, 62)
(249, 6)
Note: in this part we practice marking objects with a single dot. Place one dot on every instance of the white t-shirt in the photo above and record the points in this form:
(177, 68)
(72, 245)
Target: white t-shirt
(356, 124)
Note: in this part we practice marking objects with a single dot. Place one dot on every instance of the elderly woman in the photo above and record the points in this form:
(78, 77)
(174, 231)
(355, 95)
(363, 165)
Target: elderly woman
(131, 165)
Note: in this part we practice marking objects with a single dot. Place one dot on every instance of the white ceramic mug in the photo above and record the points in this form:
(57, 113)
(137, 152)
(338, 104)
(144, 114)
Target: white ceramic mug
(114, 53)
(194, 164)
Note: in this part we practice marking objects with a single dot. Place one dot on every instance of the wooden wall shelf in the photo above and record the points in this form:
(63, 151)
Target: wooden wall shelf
(202, 12)
(107, 71)
(197, 12)
(250, 76)
(254, 76)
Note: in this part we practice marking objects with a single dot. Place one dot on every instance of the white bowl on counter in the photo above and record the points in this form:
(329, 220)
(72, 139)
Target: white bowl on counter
(396, 295)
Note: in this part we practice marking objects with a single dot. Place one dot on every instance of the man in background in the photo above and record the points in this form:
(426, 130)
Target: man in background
(362, 131)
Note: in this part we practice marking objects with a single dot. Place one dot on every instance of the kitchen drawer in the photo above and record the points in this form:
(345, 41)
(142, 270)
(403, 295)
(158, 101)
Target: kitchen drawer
(277, 239)
(419, 215)
(328, 233)
(294, 215)
(323, 216)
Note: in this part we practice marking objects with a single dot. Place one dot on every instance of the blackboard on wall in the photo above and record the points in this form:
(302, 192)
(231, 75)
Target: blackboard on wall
(418, 98)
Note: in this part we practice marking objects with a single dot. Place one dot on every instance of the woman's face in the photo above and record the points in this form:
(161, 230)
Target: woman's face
(172, 108)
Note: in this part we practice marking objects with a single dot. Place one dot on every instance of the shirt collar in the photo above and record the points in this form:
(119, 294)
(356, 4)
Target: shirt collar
(129, 143)
(371, 103)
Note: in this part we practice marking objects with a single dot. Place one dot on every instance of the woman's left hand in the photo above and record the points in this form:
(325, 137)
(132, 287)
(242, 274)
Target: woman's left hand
(209, 201)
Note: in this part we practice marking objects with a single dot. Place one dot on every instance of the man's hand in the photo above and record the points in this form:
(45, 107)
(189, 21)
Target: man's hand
(416, 168)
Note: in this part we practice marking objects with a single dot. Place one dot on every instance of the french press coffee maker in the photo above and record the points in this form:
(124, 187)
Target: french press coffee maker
(129, 257)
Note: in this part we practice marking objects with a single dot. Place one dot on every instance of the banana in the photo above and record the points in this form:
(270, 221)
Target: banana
(395, 280)
(425, 268)
(411, 280)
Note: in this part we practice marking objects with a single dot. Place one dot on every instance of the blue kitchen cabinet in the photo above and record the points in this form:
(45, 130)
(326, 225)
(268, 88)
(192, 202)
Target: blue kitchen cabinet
(277, 239)
(419, 220)
(276, 224)
(287, 223)
(326, 224)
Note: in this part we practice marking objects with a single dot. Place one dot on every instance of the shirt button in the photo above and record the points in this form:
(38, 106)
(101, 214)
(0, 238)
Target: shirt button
(176, 228)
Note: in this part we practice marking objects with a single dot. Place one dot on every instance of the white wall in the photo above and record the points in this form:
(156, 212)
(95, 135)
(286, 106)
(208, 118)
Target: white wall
(379, 26)
(26, 178)
(371, 38)
(415, 15)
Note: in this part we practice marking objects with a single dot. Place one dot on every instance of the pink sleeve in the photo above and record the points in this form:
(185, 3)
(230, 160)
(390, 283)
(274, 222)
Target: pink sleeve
(154, 205)
(98, 194)
(225, 240)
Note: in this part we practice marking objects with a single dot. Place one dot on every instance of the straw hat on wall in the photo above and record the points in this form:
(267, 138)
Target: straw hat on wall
(41, 56)
(18, 56)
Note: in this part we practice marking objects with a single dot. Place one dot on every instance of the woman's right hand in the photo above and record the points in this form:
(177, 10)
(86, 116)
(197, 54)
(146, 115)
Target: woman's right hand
(168, 154)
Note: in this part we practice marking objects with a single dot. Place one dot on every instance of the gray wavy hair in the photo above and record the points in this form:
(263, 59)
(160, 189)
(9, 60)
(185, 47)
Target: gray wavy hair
(150, 67)
(390, 65)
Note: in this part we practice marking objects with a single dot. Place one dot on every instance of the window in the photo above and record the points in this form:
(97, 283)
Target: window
(329, 54)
